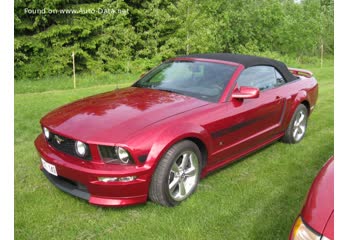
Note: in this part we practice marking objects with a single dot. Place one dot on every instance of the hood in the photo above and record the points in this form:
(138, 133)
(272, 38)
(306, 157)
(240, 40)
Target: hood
(113, 116)
(319, 205)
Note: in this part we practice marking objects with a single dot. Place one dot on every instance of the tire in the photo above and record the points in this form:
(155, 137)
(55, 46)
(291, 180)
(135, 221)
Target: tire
(297, 126)
(177, 174)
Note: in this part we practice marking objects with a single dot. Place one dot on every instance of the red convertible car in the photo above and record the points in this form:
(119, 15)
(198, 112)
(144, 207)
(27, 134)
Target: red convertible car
(185, 118)
(316, 220)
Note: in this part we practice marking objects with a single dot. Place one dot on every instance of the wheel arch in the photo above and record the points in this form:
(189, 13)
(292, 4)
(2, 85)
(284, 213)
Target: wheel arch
(202, 148)
(306, 103)
(301, 98)
(169, 137)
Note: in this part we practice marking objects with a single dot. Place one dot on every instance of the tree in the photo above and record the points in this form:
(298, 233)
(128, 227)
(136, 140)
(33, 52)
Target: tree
(153, 30)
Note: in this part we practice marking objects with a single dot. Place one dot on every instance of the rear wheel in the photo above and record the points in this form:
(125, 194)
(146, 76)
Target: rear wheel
(177, 174)
(297, 126)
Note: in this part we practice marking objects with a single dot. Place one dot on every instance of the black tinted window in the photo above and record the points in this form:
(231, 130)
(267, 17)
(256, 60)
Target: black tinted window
(262, 77)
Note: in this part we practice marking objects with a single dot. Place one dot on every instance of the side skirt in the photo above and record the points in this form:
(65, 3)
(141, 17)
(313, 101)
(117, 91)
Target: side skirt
(221, 164)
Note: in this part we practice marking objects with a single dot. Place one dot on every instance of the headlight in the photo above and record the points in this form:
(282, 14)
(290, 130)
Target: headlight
(80, 148)
(123, 155)
(115, 155)
(46, 133)
(303, 232)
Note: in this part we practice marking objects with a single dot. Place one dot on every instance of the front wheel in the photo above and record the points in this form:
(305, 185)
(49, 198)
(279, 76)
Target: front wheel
(177, 174)
(297, 127)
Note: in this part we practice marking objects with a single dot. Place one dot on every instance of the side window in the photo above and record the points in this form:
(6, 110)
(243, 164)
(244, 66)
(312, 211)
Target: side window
(279, 79)
(262, 77)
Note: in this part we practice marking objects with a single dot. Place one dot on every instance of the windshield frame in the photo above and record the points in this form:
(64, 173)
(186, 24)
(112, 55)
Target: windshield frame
(236, 69)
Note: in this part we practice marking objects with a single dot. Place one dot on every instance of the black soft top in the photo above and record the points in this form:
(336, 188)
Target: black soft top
(247, 61)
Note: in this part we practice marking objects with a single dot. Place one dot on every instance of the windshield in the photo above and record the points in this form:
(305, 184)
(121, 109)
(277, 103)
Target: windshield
(203, 80)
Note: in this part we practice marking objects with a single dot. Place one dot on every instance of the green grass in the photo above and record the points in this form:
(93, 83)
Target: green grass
(257, 197)
(82, 81)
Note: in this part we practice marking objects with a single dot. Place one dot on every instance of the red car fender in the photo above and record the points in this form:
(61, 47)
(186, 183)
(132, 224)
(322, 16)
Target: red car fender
(171, 135)
(319, 205)
(301, 96)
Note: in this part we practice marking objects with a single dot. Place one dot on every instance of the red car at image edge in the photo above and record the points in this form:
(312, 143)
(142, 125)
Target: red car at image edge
(182, 120)
(316, 220)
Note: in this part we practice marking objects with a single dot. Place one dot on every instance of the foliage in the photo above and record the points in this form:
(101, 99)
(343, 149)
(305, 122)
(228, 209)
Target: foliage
(140, 34)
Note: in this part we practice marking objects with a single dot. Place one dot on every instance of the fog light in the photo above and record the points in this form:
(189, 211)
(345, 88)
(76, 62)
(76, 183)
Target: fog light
(108, 179)
(116, 179)
(127, 179)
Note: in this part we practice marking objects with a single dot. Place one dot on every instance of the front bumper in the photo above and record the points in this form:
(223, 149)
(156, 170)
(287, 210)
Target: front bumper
(80, 178)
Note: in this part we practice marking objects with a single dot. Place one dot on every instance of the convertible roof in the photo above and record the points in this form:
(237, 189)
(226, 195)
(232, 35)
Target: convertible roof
(247, 61)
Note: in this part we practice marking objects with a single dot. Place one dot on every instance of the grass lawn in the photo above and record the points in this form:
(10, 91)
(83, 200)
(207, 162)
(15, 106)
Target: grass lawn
(255, 198)
(82, 81)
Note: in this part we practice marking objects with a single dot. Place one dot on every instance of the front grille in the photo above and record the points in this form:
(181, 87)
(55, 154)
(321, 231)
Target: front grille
(107, 152)
(67, 145)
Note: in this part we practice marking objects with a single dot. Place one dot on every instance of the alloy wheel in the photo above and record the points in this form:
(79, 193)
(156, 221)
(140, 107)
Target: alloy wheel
(183, 175)
(299, 126)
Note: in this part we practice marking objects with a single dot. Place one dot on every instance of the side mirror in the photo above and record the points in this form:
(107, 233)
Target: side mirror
(246, 92)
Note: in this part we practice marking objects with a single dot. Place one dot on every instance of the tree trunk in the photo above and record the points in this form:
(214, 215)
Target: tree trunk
(74, 82)
(321, 48)
(188, 32)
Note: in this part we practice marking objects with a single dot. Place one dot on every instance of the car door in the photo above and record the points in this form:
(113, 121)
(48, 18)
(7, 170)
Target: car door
(251, 122)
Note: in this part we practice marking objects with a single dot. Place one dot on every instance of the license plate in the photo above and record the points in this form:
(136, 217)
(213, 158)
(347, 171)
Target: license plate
(49, 167)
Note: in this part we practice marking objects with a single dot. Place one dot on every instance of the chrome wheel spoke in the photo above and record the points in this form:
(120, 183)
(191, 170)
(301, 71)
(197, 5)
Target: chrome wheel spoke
(185, 159)
(174, 184)
(175, 168)
(190, 172)
(301, 118)
(296, 123)
(295, 132)
(182, 189)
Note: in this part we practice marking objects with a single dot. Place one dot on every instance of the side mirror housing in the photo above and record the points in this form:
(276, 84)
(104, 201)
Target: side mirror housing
(246, 92)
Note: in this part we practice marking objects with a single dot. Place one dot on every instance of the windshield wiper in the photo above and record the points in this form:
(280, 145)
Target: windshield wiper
(169, 90)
